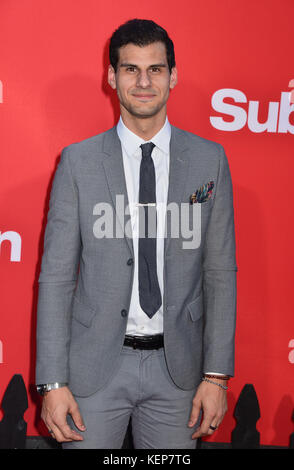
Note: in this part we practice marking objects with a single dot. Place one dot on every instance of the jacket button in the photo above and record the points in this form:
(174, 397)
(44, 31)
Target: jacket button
(130, 261)
(124, 313)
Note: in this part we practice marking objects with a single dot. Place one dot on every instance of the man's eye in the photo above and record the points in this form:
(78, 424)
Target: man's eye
(131, 69)
(155, 69)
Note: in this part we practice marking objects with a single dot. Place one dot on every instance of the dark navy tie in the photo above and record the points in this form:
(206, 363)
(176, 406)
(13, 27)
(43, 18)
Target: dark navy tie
(149, 290)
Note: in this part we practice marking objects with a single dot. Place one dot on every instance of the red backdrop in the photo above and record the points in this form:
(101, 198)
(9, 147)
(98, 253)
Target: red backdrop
(234, 58)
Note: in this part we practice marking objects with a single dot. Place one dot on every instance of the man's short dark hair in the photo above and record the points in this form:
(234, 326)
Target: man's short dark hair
(141, 33)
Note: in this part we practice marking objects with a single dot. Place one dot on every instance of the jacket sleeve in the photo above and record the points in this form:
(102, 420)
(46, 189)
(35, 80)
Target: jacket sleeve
(220, 277)
(58, 276)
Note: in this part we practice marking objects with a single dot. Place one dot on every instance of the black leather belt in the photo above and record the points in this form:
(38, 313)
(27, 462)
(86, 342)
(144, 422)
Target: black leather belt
(144, 342)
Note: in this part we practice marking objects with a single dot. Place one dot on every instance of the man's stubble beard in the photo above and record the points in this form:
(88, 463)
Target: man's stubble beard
(132, 110)
(142, 115)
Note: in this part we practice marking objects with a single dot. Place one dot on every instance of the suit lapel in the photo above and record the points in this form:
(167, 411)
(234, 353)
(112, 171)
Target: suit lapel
(115, 175)
(178, 171)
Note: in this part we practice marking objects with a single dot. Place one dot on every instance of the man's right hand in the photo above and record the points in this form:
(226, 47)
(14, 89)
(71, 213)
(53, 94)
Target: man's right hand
(56, 405)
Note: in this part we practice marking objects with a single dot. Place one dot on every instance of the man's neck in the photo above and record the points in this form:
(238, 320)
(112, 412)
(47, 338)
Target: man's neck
(145, 128)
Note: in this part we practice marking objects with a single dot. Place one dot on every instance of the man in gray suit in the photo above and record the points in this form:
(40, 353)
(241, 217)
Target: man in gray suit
(131, 325)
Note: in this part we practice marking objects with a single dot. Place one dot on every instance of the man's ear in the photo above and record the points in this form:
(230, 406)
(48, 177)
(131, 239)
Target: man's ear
(173, 78)
(111, 77)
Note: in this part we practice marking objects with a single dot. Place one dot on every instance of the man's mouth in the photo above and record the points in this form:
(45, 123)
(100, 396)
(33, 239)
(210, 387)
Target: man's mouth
(144, 97)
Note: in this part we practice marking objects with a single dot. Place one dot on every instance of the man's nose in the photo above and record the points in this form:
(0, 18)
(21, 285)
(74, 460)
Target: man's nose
(143, 79)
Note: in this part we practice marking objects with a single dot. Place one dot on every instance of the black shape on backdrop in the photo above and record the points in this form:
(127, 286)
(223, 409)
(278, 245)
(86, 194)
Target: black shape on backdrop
(247, 413)
(13, 428)
(291, 445)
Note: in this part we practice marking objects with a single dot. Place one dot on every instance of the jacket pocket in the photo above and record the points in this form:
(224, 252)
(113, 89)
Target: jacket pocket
(82, 313)
(196, 308)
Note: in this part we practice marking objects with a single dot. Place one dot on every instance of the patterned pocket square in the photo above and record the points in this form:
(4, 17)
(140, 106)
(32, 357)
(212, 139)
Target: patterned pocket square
(203, 193)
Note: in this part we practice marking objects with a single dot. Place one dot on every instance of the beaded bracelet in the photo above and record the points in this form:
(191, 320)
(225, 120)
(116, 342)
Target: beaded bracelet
(222, 377)
(215, 383)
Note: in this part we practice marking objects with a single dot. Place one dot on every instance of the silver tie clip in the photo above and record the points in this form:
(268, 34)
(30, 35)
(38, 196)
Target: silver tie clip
(147, 204)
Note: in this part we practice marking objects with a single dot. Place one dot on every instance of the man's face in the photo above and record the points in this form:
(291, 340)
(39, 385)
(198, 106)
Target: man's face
(142, 79)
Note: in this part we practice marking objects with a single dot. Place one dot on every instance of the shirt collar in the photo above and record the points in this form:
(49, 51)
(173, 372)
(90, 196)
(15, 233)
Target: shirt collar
(131, 142)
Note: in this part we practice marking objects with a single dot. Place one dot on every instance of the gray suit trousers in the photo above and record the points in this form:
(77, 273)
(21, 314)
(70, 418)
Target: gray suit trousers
(139, 387)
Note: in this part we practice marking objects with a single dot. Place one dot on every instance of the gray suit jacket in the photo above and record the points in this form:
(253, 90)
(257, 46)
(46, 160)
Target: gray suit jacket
(85, 282)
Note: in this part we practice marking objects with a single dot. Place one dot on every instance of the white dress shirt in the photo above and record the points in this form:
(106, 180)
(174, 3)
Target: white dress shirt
(138, 321)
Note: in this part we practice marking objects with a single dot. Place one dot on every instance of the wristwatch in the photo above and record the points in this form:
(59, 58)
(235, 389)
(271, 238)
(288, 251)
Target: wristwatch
(42, 388)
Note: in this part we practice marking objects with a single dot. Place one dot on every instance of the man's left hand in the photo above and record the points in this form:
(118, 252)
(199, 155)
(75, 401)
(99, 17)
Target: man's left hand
(212, 399)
